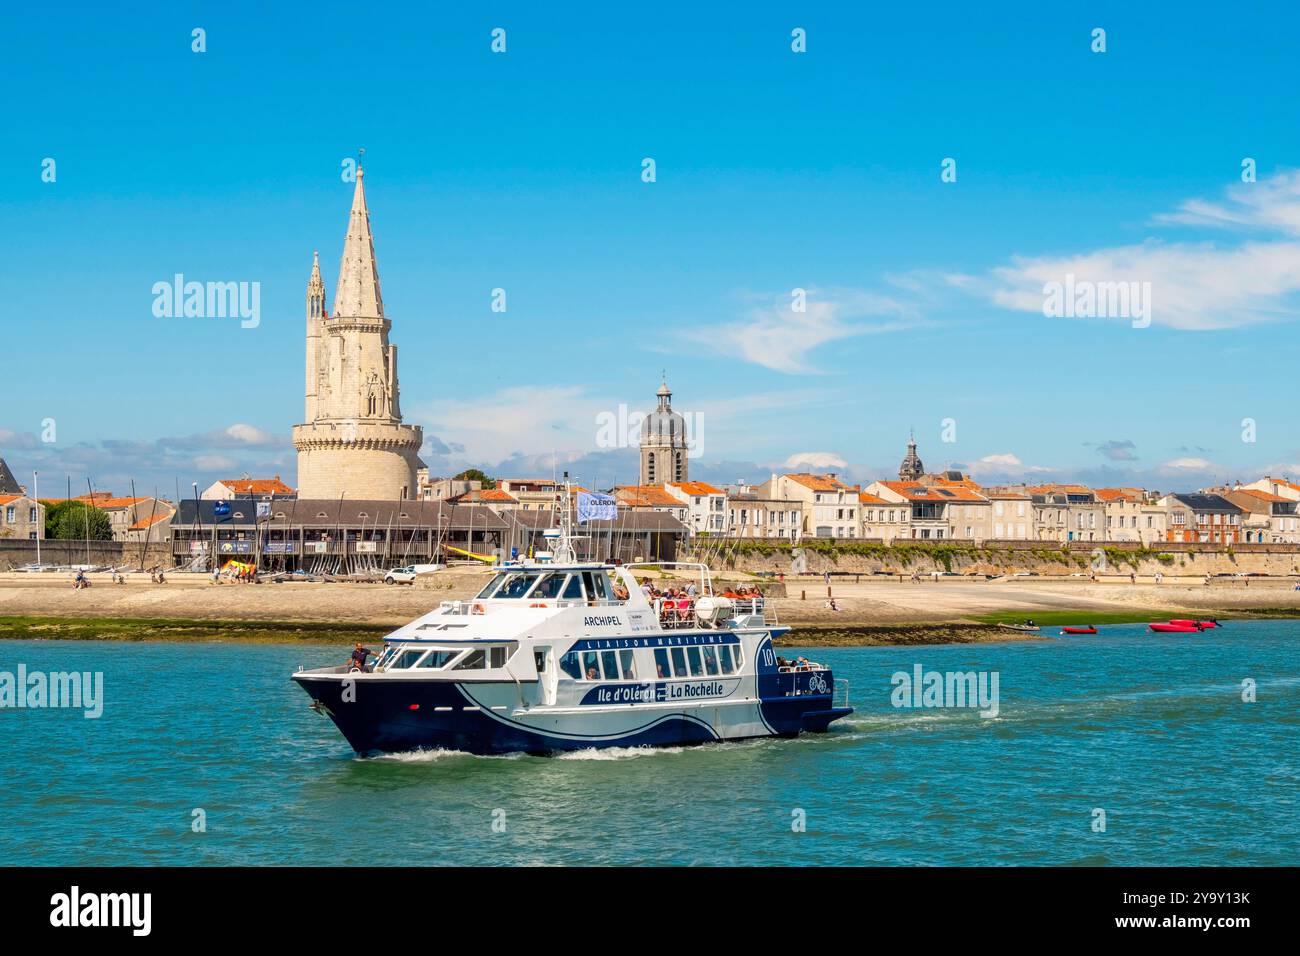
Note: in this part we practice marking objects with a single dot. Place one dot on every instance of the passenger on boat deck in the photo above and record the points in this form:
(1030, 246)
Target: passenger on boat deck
(359, 655)
(620, 592)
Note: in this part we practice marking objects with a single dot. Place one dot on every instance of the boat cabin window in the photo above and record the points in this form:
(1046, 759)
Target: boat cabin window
(494, 655)
(573, 591)
(599, 665)
(407, 658)
(570, 664)
(473, 661)
(693, 655)
(710, 661)
(724, 655)
(548, 587)
(492, 585)
(438, 658)
(679, 662)
(597, 585)
(662, 667)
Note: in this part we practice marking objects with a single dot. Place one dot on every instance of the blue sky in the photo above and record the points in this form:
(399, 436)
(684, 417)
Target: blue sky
(775, 170)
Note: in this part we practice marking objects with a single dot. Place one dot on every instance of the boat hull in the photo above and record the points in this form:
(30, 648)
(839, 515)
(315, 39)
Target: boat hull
(395, 716)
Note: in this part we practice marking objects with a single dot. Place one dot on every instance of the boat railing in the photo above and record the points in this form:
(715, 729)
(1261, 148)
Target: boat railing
(745, 607)
(840, 695)
(675, 612)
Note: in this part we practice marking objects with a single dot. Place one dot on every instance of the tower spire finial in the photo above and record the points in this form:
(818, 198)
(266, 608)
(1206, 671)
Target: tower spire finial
(357, 294)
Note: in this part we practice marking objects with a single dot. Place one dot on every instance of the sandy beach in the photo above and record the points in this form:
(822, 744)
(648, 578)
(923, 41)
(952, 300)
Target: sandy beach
(871, 611)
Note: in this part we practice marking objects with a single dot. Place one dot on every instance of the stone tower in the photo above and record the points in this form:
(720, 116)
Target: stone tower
(353, 442)
(911, 469)
(663, 443)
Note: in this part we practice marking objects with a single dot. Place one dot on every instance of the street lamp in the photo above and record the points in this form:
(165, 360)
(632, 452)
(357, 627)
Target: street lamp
(36, 494)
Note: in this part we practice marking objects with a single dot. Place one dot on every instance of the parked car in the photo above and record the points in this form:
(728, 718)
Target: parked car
(408, 574)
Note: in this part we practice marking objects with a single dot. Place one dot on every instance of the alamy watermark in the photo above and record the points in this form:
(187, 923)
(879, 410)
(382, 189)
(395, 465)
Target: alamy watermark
(37, 690)
(933, 689)
(1086, 299)
(622, 429)
(209, 300)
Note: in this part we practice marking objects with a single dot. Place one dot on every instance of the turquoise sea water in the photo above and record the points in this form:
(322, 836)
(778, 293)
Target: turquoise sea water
(1151, 729)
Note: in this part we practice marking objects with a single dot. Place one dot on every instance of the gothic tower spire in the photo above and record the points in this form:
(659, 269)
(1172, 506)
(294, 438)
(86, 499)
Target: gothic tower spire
(353, 440)
(357, 294)
(315, 317)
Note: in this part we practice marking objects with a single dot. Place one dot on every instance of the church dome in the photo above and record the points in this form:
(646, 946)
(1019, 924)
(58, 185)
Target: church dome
(664, 426)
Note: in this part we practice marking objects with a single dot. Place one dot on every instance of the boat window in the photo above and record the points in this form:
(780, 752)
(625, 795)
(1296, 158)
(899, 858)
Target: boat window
(406, 659)
(516, 585)
(436, 659)
(591, 666)
(573, 591)
(549, 586)
(473, 661)
(625, 658)
(389, 653)
(610, 660)
(570, 664)
(679, 662)
(737, 656)
(662, 667)
(492, 585)
(539, 661)
(710, 662)
(724, 655)
(497, 656)
(693, 655)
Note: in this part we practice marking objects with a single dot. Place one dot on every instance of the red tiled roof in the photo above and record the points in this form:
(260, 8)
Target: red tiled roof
(918, 492)
(696, 487)
(147, 520)
(489, 494)
(1262, 495)
(257, 486)
(819, 482)
(646, 496)
(105, 500)
(867, 499)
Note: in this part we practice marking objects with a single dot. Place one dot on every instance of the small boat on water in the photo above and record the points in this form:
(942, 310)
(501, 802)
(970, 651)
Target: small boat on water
(1172, 628)
(1079, 630)
(1023, 628)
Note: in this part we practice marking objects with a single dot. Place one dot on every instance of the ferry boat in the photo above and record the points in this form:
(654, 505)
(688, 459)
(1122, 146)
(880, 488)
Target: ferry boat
(558, 655)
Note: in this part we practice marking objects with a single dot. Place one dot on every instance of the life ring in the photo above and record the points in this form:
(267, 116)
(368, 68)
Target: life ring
(478, 609)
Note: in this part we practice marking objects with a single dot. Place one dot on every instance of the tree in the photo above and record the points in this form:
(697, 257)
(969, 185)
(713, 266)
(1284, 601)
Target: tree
(473, 474)
(77, 520)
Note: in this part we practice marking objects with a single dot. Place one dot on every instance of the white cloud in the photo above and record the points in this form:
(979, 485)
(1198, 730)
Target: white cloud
(816, 460)
(777, 337)
(1200, 285)
(215, 463)
(1187, 464)
(1004, 464)
(251, 435)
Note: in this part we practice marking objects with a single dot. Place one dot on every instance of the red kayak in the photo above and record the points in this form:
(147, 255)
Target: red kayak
(1172, 628)
(1187, 623)
(1078, 630)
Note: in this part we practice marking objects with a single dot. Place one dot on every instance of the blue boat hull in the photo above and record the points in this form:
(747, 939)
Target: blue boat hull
(400, 716)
